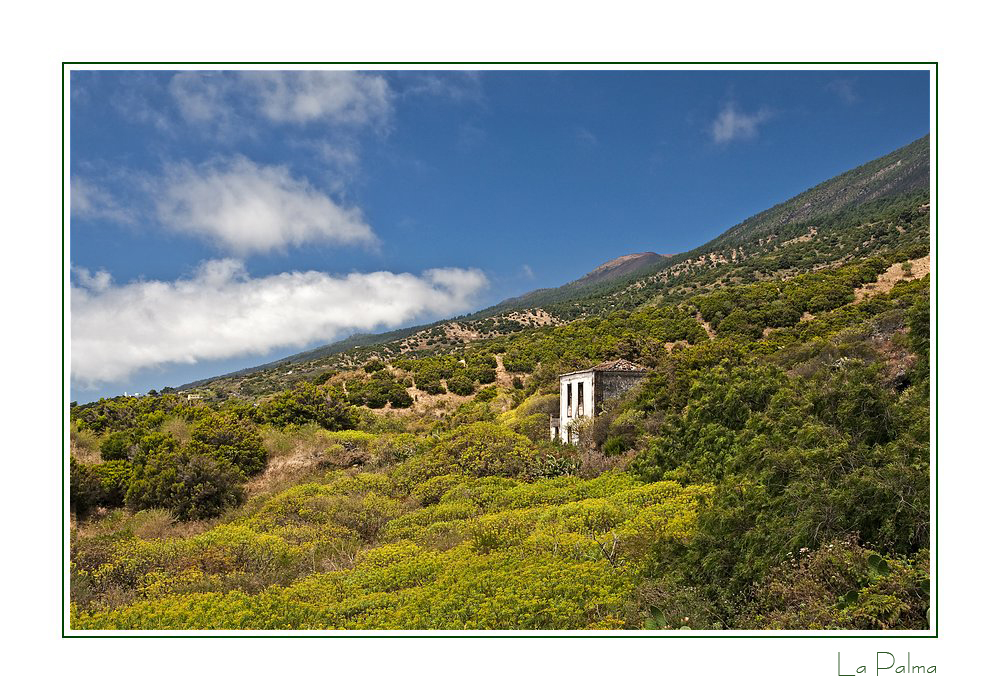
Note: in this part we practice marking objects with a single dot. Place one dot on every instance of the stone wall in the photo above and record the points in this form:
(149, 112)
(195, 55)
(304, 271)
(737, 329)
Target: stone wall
(610, 385)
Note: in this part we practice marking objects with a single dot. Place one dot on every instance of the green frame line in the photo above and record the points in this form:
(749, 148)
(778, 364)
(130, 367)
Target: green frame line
(473, 634)
(500, 63)
(935, 280)
(62, 369)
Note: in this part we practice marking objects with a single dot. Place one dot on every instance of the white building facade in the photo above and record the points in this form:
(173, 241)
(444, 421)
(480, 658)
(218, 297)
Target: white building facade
(581, 394)
(576, 400)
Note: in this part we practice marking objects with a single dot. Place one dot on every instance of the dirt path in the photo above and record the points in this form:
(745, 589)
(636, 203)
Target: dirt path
(705, 324)
(504, 378)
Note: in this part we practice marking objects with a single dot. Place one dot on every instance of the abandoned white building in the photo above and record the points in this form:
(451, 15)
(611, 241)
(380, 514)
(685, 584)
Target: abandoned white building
(582, 393)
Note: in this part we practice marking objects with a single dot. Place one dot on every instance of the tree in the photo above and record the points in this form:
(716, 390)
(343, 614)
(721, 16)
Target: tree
(117, 445)
(307, 403)
(225, 438)
(84, 488)
(190, 485)
(461, 384)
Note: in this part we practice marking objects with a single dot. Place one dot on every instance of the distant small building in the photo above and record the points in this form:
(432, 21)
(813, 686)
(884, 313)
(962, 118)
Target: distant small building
(582, 393)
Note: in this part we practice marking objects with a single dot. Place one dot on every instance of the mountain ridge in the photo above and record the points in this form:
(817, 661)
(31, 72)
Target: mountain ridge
(780, 231)
(627, 265)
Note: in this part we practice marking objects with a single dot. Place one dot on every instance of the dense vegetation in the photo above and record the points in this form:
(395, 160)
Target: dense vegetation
(776, 480)
(771, 472)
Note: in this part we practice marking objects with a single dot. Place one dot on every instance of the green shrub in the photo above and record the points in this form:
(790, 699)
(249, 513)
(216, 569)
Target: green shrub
(836, 586)
(117, 445)
(231, 440)
(615, 445)
(85, 489)
(477, 449)
(307, 403)
(322, 378)
(461, 384)
(115, 477)
(487, 394)
(190, 485)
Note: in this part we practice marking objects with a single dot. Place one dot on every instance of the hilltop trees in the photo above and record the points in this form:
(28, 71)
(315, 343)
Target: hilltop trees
(379, 389)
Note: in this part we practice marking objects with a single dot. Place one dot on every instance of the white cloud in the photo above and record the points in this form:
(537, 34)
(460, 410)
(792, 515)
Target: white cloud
(457, 85)
(585, 136)
(131, 99)
(203, 98)
(731, 124)
(97, 282)
(221, 99)
(221, 312)
(88, 200)
(845, 89)
(340, 156)
(247, 208)
(344, 156)
(335, 96)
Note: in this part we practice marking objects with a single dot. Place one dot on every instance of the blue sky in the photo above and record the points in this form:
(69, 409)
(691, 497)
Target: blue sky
(223, 219)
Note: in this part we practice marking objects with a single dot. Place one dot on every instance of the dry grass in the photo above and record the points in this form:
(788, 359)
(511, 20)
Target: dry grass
(504, 378)
(593, 463)
(300, 452)
(151, 524)
(427, 405)
(159, 524)
(705, 324)
(178, 428)
(280, 442)
(84, 445)
(533, 317)
(287, 470)
(801, 239)
(911, 269)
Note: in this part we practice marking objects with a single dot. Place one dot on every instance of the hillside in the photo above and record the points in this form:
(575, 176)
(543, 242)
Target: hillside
(771, 472)
(602, 279)
(769, 477)
(900, 173)
(876, 208)
(620, 270)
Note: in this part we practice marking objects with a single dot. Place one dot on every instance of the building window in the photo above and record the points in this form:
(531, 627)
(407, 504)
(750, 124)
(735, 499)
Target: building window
(569, 400)
(579, 399)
